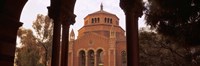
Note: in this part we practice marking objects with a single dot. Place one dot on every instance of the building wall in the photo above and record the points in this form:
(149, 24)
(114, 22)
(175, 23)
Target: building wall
(97, 35)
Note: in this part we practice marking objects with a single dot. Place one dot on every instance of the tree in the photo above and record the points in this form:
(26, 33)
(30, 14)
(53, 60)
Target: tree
(156, 50)
(27, 55)
(37, 45)
(44, 33)
(176, 19)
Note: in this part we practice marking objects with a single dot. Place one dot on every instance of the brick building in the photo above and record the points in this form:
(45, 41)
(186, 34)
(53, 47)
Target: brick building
(100, 42)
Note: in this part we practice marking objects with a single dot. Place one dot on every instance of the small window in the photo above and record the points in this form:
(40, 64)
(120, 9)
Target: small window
(95, 19)
(98, 20)
(92, 20)
(105, 20)
(111, 21)
(108, 20)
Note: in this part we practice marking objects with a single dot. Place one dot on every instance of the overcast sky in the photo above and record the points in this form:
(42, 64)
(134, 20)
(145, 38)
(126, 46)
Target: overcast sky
(82, 9)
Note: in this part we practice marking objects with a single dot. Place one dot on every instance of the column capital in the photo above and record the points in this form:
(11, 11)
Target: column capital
(68, 19)
(134, 7)
(62, 10)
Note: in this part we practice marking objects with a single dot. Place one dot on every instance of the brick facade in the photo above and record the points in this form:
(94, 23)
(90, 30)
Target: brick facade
(101, 41)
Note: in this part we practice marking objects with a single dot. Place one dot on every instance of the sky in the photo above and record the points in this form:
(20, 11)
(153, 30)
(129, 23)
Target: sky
(82, 9)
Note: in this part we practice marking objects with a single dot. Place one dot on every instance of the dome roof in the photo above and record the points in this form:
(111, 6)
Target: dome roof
(101, 11)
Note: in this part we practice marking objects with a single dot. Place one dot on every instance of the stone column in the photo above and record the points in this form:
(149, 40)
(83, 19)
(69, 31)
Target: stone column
(95, 59)
(86, 61)
(53, 12)
(133, 10)
(111, 57)
(65, 43)
(56, 43)
(132, 40)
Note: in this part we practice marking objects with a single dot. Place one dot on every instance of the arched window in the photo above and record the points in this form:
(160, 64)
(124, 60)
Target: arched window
(105, 19)
(92, 20)
(82, 58)
(110, 21)
(90, 58)
(99, 57)
(98, 20)
(124, 58)
(95, 20)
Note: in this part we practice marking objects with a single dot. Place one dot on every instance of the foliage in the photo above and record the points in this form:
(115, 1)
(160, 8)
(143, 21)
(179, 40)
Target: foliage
(156, 50)
(36, 46)
(177, 19)
(44, 32)
(25, 55)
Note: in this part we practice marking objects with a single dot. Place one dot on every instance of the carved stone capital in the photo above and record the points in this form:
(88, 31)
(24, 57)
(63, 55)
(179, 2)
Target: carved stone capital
(132, 7)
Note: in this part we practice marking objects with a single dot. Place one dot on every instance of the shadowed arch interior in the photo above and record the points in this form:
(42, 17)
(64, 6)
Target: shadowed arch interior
(82, 58)
(91, 58)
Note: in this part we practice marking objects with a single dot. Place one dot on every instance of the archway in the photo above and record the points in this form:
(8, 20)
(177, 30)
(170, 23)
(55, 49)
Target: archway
(99, 57)
(91, 58)
(82, 58)
(10, 12)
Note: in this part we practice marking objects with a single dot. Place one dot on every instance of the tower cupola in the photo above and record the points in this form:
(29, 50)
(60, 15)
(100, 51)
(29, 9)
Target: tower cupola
(101, 17)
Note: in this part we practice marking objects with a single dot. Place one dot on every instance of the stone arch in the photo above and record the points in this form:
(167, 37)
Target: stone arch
(81, 50)
(90, 49)
(99, 57)
(104, 51)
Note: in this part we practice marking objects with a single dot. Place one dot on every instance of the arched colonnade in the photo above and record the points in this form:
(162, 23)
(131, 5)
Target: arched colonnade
(62, 12)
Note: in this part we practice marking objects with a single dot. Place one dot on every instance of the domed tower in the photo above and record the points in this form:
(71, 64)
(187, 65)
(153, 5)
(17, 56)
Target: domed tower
(101, 22)
(100, 41)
